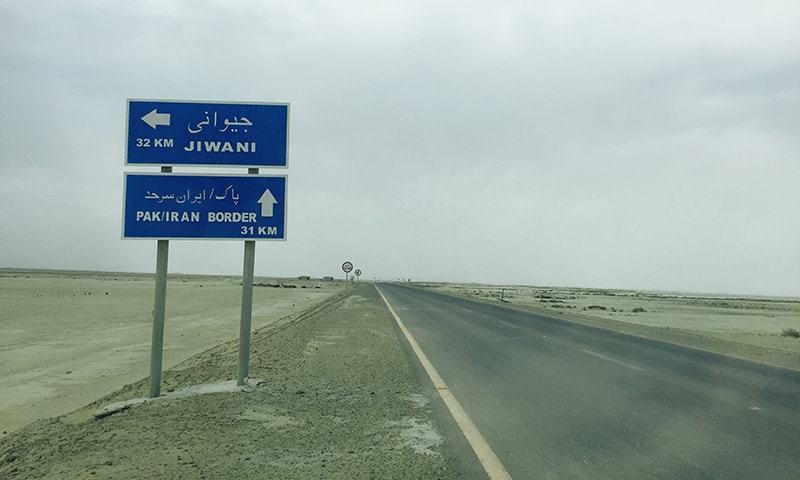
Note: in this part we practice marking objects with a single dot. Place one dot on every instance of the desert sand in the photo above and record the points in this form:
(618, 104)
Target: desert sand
(337, 399)
(71, 337)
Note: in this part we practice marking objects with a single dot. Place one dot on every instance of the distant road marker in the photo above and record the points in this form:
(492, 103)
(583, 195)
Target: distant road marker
(628, 365)
(347, 267)
(491, 464)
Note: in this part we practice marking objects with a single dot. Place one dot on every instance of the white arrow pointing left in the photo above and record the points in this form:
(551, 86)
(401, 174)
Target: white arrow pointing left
(267, 202)
(155, 119)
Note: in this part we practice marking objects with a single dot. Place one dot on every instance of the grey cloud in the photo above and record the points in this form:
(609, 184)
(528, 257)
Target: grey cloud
(600, 143)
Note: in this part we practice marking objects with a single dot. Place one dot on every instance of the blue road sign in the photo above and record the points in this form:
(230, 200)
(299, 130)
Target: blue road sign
(162, 132)
(177, 206)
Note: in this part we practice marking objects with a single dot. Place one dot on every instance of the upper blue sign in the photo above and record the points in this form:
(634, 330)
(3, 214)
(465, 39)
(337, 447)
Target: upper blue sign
(166, 205)
(204, 133)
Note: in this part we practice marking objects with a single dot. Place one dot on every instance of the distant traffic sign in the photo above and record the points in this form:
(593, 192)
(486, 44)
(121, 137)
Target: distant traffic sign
(347, 267)
(164, 206)
(357, 273)
(165, 132)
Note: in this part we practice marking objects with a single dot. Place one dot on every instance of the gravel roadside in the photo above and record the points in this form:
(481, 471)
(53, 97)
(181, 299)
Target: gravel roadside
(338, 398)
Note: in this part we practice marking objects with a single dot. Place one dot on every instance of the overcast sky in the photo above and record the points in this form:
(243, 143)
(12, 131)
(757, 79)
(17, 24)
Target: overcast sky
(620, 144)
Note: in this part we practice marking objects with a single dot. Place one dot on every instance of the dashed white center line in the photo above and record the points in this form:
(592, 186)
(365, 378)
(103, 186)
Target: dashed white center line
(618, 362)
(510, 325)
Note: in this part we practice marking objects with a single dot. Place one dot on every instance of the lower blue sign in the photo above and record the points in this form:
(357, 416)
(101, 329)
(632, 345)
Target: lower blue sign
(174, 206)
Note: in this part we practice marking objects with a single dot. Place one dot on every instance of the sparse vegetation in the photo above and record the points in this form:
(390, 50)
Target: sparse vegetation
(790, 332)
(638, 310)
(596, 307)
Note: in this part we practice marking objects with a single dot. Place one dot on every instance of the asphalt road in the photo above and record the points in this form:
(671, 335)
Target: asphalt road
(566, 401)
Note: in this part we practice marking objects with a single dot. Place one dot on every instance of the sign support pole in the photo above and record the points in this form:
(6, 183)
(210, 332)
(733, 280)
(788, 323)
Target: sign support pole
(159, 310)
(247, 305)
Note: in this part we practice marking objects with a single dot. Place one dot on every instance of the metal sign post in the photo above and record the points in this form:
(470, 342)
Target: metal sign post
(357, 273)
(159, 312)
(247, 306)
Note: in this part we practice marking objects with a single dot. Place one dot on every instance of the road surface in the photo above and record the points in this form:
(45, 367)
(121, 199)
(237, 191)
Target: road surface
(557, 400)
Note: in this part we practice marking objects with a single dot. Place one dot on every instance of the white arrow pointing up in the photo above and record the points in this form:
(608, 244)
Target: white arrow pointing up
(267, 202)
(155, 119)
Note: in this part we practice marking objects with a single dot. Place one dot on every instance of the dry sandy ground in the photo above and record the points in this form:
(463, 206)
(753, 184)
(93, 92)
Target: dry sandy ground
(748, 327)
(338, 399)
(69, 338)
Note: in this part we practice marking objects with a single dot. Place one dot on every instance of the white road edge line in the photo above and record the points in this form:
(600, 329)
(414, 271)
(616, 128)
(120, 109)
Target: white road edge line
(634, 367)
(491, 464)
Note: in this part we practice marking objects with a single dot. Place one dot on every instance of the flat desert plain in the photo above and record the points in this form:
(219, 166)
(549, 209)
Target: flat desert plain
(744, 326)
(69, 338)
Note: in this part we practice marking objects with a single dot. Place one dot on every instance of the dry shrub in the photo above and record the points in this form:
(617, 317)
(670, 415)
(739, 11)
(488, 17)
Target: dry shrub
(790, 332)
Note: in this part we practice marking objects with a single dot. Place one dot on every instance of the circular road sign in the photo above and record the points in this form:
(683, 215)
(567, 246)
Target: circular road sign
(347, 267)
(357, 273)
